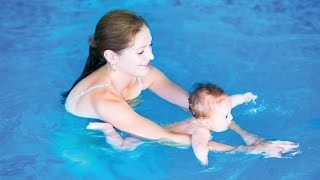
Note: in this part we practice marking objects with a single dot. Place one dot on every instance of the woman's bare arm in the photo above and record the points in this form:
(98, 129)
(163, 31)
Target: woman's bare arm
(163, 87)
(120, 115)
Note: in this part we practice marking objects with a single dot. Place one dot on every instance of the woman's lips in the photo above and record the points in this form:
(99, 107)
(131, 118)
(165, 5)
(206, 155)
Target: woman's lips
(146, 65)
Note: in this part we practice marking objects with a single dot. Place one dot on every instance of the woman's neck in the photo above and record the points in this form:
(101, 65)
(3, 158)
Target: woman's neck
(120, 81)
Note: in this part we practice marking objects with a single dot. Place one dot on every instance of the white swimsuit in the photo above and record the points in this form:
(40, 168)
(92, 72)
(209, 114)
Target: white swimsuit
(102, 85)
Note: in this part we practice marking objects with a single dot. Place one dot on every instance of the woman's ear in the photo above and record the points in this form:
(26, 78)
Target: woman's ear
(111, 56)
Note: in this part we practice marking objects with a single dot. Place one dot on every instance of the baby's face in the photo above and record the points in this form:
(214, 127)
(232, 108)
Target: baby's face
(222, 117)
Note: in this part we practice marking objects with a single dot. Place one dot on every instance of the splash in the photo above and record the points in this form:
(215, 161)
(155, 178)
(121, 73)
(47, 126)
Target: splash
(258, 107)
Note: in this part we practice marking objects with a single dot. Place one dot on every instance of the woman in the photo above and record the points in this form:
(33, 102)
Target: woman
(117, 70)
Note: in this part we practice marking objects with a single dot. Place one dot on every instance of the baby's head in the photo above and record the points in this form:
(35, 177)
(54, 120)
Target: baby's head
(210, 103)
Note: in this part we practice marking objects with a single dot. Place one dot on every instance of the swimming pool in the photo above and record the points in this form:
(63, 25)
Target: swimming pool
(269, 48)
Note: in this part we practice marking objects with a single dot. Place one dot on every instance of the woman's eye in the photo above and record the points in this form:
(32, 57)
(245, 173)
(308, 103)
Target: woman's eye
(141, 52)
(226, 116)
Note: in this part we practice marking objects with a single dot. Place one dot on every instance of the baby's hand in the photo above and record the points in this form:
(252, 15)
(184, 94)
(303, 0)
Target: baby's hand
(249, 97)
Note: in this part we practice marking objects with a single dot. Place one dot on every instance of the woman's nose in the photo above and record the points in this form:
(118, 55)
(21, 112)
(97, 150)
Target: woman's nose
(150, 55)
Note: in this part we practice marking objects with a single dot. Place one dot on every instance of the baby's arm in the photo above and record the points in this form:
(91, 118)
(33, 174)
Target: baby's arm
(242, 98)
(200, 139)
(219, 147)
(248, 138)
(257, 145)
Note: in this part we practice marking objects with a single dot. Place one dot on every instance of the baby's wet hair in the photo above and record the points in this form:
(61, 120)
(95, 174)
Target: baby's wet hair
(201, 99)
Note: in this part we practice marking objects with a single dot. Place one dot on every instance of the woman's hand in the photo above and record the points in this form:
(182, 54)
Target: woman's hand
(270, 148)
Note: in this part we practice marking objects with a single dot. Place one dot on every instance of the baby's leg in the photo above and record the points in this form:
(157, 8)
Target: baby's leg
(248, 138)
(114, 138)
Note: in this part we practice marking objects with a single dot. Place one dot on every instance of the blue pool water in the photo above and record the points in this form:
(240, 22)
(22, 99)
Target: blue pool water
(271, 48)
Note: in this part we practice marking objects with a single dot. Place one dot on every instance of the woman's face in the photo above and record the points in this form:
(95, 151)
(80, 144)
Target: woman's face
(135, 60)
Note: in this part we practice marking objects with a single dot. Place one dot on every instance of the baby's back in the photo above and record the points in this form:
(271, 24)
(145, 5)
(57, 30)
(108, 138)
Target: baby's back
(185, 127)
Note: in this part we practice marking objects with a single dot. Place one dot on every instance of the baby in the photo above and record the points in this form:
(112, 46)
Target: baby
(211, 110)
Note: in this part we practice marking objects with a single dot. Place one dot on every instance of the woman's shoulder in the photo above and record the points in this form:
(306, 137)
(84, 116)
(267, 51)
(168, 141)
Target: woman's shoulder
(110, 106)
(154, 71)
(92, 81)
(84, 102)
(153, 75)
